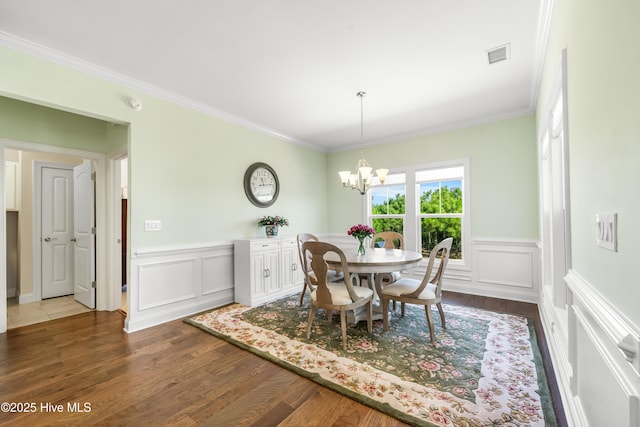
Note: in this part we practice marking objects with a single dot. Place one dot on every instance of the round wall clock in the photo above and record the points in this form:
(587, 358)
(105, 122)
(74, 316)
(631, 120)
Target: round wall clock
(261, 184)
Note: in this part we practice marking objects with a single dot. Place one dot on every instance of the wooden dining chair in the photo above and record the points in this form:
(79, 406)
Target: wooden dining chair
(339, 296)
(389, 240)
(427, 291)
(333, 275)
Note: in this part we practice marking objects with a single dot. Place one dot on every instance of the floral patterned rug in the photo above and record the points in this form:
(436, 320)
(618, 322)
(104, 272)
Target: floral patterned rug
(485, 369)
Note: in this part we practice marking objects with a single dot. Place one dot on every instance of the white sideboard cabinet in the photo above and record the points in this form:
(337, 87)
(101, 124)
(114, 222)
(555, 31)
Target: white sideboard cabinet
(266, 270)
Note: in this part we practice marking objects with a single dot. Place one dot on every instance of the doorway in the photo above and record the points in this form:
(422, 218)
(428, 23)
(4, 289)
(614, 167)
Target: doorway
(29, 270)
(44, 205)
(65, 230)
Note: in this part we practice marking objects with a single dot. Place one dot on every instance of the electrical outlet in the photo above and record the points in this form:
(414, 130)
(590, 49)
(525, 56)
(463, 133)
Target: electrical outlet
(152, 225)
(607, 231)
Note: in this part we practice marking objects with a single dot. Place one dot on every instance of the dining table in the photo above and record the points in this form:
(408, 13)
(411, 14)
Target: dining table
(372, 262)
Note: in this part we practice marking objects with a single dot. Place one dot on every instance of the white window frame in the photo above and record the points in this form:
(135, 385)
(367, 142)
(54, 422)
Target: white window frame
(412, 215)
(391, 180)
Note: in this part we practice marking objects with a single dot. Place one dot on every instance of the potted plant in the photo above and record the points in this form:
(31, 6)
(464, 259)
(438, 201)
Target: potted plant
(271, 224)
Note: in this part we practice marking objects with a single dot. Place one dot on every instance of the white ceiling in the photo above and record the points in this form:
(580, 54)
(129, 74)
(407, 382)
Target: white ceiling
(292, 67)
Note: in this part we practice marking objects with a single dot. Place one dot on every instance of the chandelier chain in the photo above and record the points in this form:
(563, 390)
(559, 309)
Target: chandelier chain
(362, 95)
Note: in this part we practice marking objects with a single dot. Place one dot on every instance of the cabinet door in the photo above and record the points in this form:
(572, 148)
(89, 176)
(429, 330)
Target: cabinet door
(291, 271)
(272, 280)
(258, 274)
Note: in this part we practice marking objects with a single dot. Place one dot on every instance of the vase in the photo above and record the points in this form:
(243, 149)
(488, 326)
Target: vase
(361, 246)
(271, 230)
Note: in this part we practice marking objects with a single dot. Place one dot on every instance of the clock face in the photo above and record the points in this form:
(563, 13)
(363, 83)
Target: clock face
(261, 184)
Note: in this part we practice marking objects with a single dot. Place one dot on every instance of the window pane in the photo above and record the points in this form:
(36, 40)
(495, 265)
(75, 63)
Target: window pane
(388, 224)
(434, 230)
(388, 200)
(430, 197)
(441, 197)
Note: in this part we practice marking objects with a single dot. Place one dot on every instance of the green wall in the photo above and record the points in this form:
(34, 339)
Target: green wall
(186, 167)
(28, 122)
(502, 167)
(187, 170)
(603, 65)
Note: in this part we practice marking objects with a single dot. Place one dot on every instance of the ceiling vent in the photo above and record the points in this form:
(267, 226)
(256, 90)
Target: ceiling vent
(498, 54)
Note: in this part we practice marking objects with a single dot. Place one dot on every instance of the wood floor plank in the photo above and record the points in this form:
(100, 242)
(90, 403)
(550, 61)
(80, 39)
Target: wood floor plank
(174, 374)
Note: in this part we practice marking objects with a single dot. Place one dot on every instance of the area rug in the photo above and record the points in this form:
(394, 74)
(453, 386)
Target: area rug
(484, 370)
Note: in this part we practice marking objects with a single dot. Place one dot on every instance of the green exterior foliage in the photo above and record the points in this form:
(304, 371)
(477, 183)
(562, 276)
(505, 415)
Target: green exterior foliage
(438, 204)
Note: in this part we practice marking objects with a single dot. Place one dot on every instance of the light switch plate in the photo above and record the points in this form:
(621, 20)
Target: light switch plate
(152, 225)
(607, 231)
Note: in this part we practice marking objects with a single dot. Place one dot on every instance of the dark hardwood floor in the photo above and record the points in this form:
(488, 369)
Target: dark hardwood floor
(174, 374)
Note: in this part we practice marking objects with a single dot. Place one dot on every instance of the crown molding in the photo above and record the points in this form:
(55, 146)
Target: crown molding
(545, 17)
(16, 43)
(451, 127)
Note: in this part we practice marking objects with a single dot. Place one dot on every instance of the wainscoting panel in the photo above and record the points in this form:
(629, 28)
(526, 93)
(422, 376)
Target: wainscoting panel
(514, 268)
(180, 273)
(172, 283)
(504, 269)
(508, 269)
(604, 353)
(217, 273)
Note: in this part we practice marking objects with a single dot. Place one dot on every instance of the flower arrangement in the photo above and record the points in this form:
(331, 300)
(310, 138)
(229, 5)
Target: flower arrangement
(361, 231)
(273, 220)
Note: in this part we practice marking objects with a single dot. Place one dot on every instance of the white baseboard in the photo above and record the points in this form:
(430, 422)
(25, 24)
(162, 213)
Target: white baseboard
(28, 298)
(554, 323)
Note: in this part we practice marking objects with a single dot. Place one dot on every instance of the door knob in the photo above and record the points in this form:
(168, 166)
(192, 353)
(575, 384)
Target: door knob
(47, 239)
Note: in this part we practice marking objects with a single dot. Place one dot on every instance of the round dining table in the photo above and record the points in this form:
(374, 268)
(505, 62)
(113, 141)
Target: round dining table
(374, 261)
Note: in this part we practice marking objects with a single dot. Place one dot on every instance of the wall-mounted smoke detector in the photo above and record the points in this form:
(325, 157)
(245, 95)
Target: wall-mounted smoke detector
(135, 104)
(499, 54)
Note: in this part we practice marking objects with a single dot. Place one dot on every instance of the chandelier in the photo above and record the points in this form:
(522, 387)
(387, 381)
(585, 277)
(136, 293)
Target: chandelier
(361, 179)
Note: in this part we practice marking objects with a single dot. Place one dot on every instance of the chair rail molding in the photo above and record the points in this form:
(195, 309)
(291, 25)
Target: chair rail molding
(169, 283)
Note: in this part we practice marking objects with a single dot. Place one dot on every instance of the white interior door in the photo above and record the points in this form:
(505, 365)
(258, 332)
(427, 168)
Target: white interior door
(84, 235)
(57, 232)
